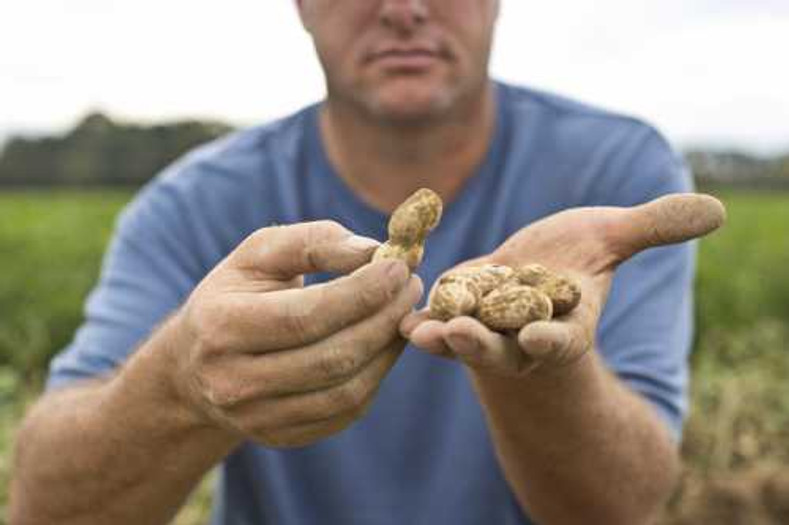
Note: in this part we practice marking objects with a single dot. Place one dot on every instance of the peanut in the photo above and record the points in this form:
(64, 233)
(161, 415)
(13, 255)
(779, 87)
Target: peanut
(564, 293)
(453, 299)
(513, 306)
(460, 291)
(501, 297)
(409, 226)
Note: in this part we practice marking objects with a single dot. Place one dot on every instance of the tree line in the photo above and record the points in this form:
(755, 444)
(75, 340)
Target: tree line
(102, 152)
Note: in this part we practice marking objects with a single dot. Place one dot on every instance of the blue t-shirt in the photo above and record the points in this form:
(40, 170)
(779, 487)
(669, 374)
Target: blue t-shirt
(422, 455)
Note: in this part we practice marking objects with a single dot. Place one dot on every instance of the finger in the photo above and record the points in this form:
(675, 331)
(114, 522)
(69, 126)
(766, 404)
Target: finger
(297, 317)
(284, 252)
(346, 401)
(556, 343)
(300, 435)
(477, 346)
(412, 320)
(429, 337)
(667, 220)
(322, 364)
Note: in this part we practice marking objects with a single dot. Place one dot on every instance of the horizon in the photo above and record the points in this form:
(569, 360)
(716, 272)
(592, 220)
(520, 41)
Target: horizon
(32, 134)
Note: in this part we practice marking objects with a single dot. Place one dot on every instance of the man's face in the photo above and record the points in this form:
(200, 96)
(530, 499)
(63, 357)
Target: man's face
(402, 60)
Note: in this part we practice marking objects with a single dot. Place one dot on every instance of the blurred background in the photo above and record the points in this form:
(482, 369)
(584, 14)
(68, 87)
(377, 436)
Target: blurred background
(96, 96)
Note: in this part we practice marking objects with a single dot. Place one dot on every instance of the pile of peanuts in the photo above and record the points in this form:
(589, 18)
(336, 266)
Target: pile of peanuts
(504, 298)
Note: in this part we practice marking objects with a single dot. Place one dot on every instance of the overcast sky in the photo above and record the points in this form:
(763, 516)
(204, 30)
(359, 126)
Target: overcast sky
(705, 71)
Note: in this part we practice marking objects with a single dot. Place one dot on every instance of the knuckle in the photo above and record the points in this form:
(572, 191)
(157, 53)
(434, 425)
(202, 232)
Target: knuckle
(213, 343)
(262, 235)
(350, 397)
(299, 318)
(346, 362)
(216, 390)
(271, 439)
(317, 233)
(326, 227)
(370, 296)
(392, 318)
(212, 328)
(252, 242)
(334, 363)
(366, 345)
(260, 430)
(221, 396)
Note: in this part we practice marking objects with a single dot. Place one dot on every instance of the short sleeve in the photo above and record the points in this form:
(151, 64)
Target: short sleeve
(178, 228)
(646, 330)
(147, 271)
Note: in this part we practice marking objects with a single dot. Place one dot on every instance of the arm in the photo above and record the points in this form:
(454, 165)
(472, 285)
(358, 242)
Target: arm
(119, 450)
(576, 444)
(252, 355)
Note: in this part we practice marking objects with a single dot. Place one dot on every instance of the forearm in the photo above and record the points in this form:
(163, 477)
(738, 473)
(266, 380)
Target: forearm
(577, 446)
(120, 451)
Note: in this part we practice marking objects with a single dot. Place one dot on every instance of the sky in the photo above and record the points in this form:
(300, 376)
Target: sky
(709, 73)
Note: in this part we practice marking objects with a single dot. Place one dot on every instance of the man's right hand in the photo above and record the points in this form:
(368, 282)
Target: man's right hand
(269, 360)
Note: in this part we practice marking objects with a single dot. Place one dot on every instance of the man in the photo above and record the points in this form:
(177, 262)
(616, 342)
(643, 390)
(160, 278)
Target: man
(293, 385)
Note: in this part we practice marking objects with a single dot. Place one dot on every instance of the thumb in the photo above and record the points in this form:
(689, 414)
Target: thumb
(285, 252)
(668, 220)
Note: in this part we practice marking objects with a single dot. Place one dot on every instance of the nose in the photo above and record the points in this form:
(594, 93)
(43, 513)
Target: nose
(404, 16)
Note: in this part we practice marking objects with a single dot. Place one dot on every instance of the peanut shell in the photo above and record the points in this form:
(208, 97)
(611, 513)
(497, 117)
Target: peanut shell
(513, 306)
(564, 293)
(452, 299)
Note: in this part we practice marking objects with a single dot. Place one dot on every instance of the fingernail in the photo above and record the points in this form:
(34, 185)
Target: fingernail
(360, 243)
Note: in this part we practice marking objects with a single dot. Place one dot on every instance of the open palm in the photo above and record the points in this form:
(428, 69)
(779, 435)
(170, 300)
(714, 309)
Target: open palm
(586, 244)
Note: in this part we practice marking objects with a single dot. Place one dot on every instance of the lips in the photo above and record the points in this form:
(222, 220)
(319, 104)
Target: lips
(405, 52)
(402, 57)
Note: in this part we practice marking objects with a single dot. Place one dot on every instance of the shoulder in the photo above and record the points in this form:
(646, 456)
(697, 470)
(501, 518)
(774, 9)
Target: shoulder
(241, 154)
(607, 156)
(570, 122)
(215, 193)
(241, 160)
(559, 110)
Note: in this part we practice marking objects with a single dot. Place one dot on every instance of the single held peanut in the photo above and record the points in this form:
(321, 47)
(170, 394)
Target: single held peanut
(409, 226)
(504, 298)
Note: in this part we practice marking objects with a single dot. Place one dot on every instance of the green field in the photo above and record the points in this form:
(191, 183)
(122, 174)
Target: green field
(51, 245)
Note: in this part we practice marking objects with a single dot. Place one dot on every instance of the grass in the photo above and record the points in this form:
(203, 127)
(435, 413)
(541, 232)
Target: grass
(51, 245)
(740, 396)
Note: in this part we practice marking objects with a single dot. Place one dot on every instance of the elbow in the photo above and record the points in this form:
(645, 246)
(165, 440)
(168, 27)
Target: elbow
(639, 501)
(658, 493)
(22, 504)
(648, 497)
(32, 500)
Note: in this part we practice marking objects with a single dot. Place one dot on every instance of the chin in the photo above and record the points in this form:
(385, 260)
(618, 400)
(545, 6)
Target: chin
(412, 102)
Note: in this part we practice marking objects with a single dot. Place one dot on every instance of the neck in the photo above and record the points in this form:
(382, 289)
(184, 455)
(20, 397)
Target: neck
(384, 163)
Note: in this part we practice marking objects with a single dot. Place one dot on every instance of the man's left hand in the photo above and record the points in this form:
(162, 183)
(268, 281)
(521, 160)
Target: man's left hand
(585, 244)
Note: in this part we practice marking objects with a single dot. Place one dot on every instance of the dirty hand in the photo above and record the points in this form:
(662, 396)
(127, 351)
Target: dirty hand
(585, 244)
(266, 359)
